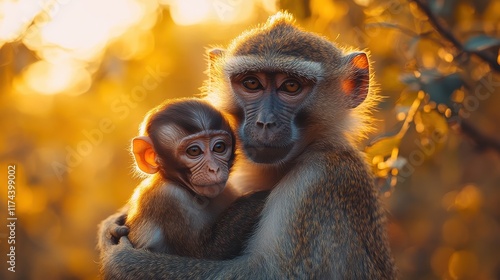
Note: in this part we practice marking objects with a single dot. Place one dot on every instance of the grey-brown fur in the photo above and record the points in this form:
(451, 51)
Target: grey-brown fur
(322, 219)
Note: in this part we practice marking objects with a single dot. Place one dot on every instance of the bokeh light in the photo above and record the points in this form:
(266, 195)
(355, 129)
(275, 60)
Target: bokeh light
(77, 76)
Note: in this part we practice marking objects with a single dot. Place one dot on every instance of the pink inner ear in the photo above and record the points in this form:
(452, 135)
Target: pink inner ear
(357, 84)
(360, 61)
(348, 86)
(213, 54)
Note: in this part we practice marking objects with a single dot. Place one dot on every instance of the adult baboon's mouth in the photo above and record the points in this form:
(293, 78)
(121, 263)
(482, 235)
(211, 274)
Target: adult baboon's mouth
(267, 154)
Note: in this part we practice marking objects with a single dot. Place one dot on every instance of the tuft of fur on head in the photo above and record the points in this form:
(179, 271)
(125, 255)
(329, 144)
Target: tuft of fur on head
(280, 45)
(281, 17)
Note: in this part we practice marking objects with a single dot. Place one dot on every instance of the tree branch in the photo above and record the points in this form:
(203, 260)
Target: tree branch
(445, 33)
(481, 140)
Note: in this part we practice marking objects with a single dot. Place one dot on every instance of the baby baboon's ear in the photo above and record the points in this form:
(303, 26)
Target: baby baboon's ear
(144, 154)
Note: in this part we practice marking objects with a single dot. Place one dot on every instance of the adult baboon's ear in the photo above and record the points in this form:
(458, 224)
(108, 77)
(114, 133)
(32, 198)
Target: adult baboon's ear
(356, 84)
(213, 55)
(144, 154)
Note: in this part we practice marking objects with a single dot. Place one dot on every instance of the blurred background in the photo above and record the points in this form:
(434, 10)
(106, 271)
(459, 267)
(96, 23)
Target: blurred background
(77, 76)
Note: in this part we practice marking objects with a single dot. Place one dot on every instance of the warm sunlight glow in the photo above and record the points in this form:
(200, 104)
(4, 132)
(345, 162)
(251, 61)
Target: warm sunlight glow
(71, 37)
(189, 12)
(66, 34)
(15, 16)
(364, 3)
(47, 78)
(330, 10)
(85, 27)
(271, 6)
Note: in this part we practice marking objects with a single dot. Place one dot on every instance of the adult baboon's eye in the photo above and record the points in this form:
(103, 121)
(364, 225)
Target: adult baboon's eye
(194, 150)
(291, 86)
(219, 147)
(251, 83)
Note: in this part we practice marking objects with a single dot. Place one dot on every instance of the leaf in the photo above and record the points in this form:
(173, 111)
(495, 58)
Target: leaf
(383, 145)
(432, 129)
(434, 123)
(481, 42)
(440, 89)
(408, 79)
